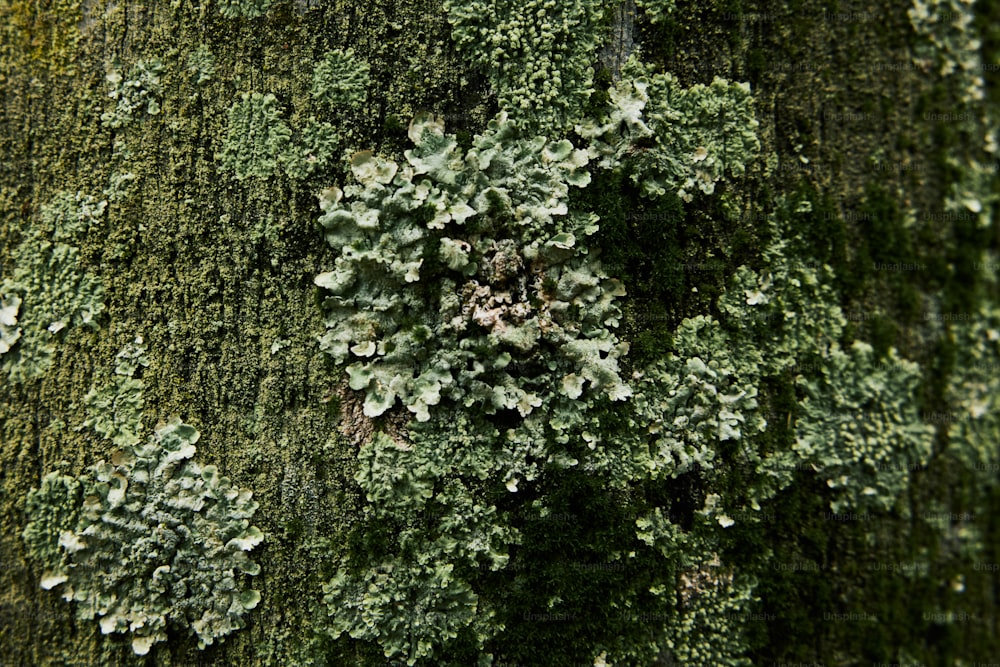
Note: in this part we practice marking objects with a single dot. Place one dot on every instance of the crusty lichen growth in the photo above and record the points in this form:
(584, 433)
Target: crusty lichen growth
(49, 293)
(538, 54)
(148, 540)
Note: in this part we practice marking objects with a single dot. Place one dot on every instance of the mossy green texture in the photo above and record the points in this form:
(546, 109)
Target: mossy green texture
(114, 411)
(250, 9)
(537, 54)
(147, 541)
(50, 293)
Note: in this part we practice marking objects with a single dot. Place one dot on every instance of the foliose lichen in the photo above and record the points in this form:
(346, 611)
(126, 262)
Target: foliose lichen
(538, 54)
(859, 427)
(148, 540)
(493, 229)
(340, 79)
(698, 134)
(974, 392)
(657, 10)
(10, 333)
(257, 137)
(133, 93)
(701, 395)
(49, 293)
(259, 143)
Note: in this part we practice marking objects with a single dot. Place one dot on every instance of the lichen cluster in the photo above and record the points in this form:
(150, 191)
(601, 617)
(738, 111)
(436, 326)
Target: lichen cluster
(114, 411)
(493, 229)
(148, 540)
(340, 79)
(135, 92)
(657, 10)
(49, 293)
(538, 54)
(974, 391)
(259, 143)
(856, 423)
(673, 139)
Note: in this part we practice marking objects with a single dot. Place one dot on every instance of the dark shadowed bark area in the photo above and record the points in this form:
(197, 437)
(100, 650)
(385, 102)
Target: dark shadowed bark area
(215, 274)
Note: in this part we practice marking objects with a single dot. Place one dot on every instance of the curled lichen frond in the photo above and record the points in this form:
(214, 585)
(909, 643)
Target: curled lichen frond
(147, 540)
(10, 333)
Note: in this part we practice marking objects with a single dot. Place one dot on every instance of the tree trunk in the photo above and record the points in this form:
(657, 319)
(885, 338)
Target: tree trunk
(216, 273)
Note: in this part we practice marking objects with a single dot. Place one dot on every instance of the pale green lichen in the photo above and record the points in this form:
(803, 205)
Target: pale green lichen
(259, 143)
(257, 137)
(114, 410)
(403, 481)
(147, 541)
(312, 152)
(135, 92)
(698, 134)
(974, 394)
(657, 10)
(201, 64)
(537, 54)
(516, 277)
(340, 79)
(950, 42)
(52, 293)
(856, 422)
(10, 333)
(859, 427)
(701, 395)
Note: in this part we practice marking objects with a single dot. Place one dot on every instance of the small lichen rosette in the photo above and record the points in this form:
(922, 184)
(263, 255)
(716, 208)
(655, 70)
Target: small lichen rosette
(859, 428)
(467, 277)
(701, 395)
(147, 540)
